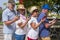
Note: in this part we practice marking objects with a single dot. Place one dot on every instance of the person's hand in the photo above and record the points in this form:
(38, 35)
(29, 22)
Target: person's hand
(16, 18)
(28, 18)
(54, 22)
(42, 20)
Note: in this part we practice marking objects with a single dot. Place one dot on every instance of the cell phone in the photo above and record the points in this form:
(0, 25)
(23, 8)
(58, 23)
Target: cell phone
(43, 17)
(55, 19)
(18, 14)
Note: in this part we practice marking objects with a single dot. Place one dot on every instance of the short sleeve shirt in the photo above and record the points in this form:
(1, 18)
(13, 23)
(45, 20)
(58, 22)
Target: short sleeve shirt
(8, 15)
(32, 31)
(19, 30)
(43, 32)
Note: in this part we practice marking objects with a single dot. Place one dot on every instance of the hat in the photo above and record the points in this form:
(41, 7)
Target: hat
(33, 8)
(21, 6)
(46, 6)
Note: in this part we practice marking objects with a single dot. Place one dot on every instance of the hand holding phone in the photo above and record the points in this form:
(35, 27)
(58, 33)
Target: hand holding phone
(43, 19)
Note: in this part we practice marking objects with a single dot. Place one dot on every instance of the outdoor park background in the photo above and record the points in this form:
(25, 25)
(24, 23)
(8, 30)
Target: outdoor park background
(54, 4)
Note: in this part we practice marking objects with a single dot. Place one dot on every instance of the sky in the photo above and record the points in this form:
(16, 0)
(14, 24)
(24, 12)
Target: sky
(2, 3)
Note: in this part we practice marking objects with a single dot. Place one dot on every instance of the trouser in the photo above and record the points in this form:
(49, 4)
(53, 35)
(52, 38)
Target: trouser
(31, 38)
(45, 38)
(19, 37)
(8, 37)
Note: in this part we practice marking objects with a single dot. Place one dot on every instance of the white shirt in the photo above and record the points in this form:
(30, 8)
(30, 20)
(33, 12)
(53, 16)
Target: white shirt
(33, 33)
(19, 30)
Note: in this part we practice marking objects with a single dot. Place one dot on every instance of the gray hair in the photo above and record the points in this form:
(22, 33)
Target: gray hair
(12, 3)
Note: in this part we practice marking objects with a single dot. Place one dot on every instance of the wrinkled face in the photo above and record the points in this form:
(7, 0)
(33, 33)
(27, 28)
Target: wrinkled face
(35, 14)
(45, 10)
(22, 11)
(11, 6)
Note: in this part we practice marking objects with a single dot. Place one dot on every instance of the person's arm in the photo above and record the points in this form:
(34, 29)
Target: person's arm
(8, 22)
(34, 25)
(41, 15)
(52, 20)
(11, 21)
(47, 25)
(22, 25)
(5, 19)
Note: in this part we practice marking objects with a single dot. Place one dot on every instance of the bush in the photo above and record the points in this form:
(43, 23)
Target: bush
(0, 15)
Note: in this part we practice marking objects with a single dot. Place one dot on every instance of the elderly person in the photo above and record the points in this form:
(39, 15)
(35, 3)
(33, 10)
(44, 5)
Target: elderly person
(33, 24)
(44, 27)
(21, 24)
(9, 17)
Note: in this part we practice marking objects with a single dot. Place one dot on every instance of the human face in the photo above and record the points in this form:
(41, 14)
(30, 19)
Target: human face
(35, 14)
(22, 11)
(44, 10)
(11, 6)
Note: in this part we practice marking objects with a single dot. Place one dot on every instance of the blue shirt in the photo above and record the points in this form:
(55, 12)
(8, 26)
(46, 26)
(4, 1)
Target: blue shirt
(43, 32)
(6, 16)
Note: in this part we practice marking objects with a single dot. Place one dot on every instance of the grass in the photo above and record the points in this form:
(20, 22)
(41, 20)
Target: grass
(1, 23)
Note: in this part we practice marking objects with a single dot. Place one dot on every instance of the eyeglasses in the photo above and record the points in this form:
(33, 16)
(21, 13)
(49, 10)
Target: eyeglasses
(22, 9)
(36, 10)
(13, 5)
